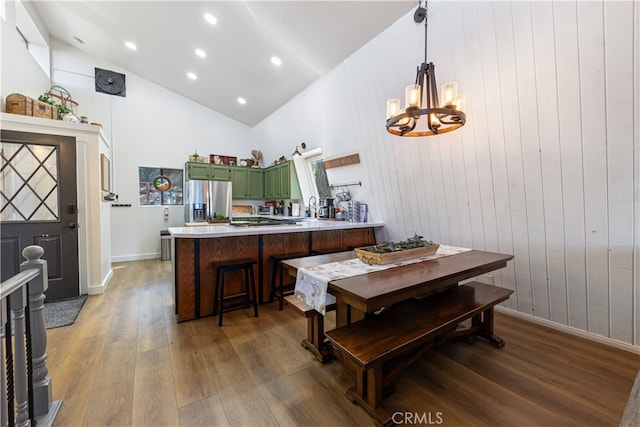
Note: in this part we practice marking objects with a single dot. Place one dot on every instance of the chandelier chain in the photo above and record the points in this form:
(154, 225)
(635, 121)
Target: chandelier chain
(426, 18)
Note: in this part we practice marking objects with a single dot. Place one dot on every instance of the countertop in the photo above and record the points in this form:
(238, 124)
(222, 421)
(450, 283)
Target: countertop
(302, 226)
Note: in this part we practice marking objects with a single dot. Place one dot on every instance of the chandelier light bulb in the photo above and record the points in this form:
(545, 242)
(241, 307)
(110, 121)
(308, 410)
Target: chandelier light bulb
(449, 94)
(434, 121)
(461, 103)
(393, 107)
(413, 96)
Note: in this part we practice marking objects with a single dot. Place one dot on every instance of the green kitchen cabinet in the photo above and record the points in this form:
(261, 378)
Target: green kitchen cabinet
(247, 183)
(268, 182)
(255, 185)
(285, 180)
(207, 171)
(281, 182)
(240, 182)
(197, 171)
(220, 173)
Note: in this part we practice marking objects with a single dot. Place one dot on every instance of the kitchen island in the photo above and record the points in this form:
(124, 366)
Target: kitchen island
(196, 248)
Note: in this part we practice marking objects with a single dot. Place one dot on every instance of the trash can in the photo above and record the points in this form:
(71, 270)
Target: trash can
(165, 245)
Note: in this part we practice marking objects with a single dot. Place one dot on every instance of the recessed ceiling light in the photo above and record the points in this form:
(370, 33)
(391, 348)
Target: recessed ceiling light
(201, 53)
(242, 101)
(210, 19)
(192, 76)
(130, 45)
(276, 61)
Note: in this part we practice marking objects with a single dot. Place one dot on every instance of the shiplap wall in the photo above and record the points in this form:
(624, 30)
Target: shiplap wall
(546, 167)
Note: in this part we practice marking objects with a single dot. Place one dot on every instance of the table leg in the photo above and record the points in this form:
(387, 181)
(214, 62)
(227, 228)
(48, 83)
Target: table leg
(342, 313)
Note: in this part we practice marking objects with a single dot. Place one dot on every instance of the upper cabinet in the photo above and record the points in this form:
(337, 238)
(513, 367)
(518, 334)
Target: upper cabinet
(275, 182)
(247, 183)
(207, 171)
(281, 182)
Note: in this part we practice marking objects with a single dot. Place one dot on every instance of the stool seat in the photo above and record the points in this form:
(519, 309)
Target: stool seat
(281, 290)
(221, 268)
(237, 264)
(327, 251)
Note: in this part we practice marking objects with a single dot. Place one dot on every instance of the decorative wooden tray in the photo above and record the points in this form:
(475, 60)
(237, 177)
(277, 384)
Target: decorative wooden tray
(390, 257)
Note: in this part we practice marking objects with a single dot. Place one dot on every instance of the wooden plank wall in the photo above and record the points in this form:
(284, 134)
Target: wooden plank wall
(546, 167)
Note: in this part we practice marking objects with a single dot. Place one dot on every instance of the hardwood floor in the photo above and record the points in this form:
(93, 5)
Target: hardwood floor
(127, 362)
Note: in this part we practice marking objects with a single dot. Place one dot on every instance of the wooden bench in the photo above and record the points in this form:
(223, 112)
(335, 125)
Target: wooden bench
(315, 326)
(378, 348)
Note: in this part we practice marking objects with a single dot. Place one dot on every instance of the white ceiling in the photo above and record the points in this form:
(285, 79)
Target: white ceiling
(311, 38)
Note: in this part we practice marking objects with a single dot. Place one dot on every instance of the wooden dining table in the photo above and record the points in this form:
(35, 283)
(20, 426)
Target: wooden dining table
(367, 293)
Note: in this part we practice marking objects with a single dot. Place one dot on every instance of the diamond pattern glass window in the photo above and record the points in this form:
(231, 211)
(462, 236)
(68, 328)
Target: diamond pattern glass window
(28, 183)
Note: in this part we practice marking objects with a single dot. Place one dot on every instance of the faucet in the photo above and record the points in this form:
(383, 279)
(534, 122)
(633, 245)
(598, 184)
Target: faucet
(314, 206)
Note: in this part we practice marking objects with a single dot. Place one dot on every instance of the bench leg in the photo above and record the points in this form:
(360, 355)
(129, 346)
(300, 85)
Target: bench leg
(486, 329)
(315, 338)
(481, 326)
(368, 393)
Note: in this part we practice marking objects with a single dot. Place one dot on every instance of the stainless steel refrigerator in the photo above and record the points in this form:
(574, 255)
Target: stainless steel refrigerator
(206, 199)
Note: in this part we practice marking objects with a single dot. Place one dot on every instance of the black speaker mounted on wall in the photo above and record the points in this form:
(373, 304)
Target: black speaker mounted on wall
(110, 82)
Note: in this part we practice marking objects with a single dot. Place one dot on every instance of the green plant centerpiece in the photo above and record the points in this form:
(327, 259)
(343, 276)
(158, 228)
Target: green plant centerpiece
(390, 252)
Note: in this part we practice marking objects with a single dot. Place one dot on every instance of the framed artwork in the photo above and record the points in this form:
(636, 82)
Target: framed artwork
(105, 173)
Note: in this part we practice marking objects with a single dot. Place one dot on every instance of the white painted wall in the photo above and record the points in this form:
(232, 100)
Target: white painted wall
(19, 72)
(546, 168)
(151, 127)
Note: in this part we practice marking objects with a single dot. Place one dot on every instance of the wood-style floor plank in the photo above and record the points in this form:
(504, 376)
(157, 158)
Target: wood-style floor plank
(126, 361)
(154, 398)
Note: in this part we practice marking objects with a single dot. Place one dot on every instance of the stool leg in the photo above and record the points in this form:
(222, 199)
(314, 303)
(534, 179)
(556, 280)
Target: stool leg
(281, 296)
(273, 279)
(247, 298)
(215, 292)
(220, 298)
(253, 290)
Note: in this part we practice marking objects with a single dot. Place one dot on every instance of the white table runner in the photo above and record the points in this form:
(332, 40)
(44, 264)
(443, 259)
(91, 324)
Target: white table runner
(312, 282)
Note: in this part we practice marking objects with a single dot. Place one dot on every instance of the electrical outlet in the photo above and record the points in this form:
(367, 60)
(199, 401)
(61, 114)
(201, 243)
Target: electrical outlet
(489, 279)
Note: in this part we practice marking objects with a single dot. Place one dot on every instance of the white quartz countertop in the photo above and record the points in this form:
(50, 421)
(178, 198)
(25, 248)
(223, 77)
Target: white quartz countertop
(206, 231)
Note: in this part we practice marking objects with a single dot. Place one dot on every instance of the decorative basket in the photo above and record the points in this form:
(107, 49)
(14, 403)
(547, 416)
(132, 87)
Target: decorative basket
(369, 257)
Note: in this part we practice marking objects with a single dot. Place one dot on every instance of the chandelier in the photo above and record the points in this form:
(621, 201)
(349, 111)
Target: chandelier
(440, 117)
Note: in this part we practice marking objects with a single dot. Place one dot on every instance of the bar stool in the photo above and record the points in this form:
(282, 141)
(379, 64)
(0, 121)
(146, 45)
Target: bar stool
(246, 266)
(279, 268)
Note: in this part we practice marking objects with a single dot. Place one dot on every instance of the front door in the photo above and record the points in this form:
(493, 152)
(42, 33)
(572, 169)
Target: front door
(38, 206)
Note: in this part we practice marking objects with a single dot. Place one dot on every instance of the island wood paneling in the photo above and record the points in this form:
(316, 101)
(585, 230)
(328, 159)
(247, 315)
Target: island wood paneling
(195, 277)
(224, 249)
(279, 244)
(185, 279)
(546, 167)
(325, 240)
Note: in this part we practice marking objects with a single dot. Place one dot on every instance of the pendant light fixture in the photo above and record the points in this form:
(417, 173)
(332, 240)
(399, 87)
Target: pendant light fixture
(421, 100)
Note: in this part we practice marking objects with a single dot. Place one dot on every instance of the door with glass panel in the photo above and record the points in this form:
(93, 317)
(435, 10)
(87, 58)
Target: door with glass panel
(38, 206)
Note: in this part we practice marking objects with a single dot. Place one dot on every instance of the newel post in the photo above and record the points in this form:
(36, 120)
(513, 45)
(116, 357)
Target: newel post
(41, 383)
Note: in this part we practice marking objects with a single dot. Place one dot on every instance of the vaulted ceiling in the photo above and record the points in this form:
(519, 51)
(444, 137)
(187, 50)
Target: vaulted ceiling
(309, 37)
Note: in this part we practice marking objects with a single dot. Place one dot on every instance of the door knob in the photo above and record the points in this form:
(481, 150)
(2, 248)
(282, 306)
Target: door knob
(72, 225)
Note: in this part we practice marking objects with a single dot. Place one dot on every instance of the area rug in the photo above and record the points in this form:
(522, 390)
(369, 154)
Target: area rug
(62, 313)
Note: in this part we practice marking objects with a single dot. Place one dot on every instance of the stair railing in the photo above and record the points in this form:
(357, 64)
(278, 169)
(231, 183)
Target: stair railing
(25, 389)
